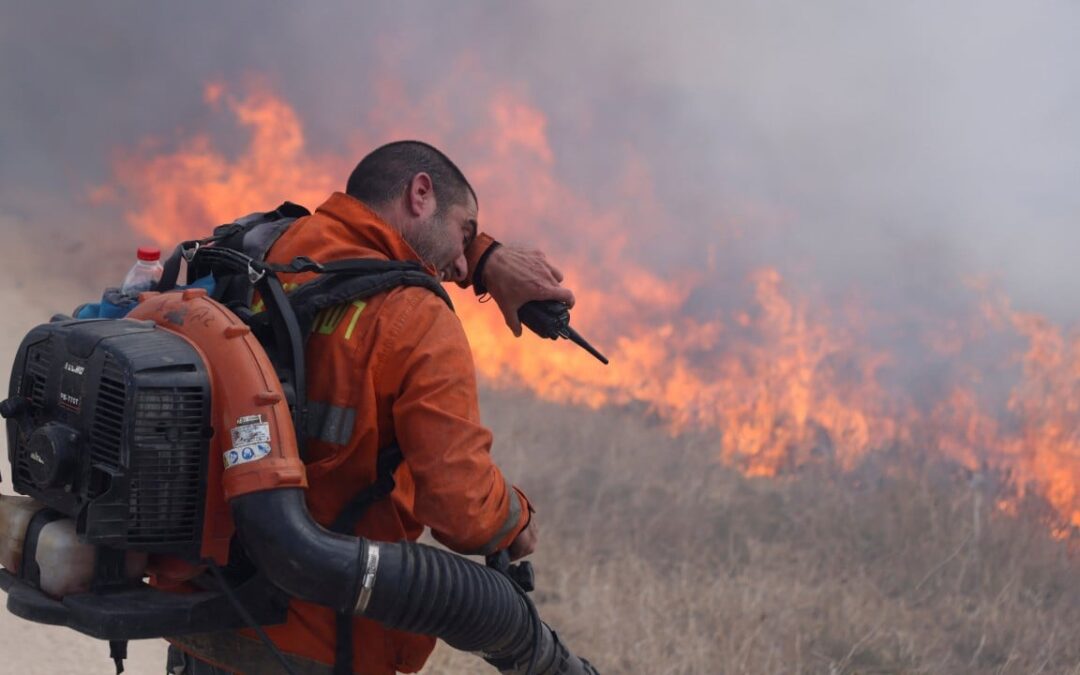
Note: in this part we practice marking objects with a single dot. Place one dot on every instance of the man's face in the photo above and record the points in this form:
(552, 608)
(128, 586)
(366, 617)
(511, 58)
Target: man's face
(441, 241)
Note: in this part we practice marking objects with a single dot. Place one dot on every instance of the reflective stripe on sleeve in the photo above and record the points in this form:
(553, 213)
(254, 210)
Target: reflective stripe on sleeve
(508, 525)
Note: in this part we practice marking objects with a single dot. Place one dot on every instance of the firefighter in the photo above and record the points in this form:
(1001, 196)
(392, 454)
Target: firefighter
(395, 370)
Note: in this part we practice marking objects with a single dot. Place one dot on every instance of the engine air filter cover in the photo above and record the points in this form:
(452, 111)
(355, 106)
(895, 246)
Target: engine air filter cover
(54, 453)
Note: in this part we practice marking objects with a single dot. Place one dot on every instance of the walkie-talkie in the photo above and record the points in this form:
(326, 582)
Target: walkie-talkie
(551, 319)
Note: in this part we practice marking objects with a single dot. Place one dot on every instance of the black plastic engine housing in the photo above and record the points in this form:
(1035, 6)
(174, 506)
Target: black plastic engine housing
(109, 423)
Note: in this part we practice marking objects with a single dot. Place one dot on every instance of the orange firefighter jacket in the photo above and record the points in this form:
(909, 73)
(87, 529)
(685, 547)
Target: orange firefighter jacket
(395, 367)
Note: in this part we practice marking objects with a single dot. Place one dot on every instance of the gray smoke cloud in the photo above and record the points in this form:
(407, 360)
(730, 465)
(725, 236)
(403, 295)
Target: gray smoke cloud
(893, 146)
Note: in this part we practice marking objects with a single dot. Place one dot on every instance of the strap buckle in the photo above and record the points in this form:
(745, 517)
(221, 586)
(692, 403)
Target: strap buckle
(189, 253)
(303, 263)
(255, 275)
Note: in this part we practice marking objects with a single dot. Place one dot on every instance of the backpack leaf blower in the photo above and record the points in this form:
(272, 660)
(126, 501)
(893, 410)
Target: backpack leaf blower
(162, 446)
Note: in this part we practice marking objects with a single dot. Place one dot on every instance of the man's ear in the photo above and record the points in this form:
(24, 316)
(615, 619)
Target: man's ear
(420, 199)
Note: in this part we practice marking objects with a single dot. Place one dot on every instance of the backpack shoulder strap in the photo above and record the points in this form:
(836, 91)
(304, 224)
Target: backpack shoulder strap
(283, 329)
(357, 279)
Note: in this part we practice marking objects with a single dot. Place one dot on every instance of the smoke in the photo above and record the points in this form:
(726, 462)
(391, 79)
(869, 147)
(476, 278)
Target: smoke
(779, 214)
(893, 145)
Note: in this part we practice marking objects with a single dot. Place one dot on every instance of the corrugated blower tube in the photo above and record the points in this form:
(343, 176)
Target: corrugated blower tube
(405, 586)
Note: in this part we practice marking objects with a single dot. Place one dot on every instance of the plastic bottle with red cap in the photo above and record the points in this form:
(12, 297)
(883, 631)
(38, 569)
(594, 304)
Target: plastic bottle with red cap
(145, 273)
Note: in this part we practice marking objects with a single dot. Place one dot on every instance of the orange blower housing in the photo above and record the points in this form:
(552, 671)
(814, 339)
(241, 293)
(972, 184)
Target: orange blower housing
(250, 413)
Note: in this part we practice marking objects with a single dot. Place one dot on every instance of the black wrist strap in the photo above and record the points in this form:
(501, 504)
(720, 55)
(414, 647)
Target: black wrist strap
(478, 273)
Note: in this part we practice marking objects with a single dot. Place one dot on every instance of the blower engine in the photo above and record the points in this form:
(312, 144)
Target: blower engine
(161, 446)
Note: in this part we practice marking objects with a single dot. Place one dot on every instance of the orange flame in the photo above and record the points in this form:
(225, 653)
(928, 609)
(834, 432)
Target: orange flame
(783, 380)
(180, 193)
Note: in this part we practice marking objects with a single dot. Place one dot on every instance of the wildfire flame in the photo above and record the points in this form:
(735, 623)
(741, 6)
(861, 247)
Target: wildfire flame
(781, 377)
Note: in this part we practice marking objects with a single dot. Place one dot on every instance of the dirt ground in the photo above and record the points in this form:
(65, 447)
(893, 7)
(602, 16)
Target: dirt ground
(27, 648)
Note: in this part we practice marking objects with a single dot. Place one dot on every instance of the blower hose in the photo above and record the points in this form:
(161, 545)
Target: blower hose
(405, 586)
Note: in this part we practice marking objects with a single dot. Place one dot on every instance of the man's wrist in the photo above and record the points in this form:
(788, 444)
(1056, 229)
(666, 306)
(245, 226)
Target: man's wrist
(479, 285)
(477, 248)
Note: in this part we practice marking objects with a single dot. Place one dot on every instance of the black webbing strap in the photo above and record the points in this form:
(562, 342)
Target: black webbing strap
(388, 461)
(170, 273)
(118, 652)
(223, 260)
(289, 341)
(362, 279)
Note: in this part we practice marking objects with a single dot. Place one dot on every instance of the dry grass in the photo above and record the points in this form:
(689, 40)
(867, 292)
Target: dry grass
(656, 560)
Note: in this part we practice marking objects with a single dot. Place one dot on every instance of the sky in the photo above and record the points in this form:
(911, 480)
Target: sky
(892, 146)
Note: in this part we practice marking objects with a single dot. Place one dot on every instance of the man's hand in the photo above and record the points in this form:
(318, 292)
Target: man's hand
(525, 543)
(515, 275)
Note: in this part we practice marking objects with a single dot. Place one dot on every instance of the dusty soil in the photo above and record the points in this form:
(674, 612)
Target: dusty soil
(28, 298)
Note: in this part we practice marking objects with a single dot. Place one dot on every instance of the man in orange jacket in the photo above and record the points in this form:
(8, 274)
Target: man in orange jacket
(396, 368)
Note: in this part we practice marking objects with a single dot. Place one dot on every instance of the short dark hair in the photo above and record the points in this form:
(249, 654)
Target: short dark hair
(385, 173)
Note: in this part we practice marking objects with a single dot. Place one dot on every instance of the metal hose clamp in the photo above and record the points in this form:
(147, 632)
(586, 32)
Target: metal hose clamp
(371, 566)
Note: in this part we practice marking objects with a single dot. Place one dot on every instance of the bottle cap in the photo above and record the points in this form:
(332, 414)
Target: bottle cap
(149, 253)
